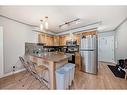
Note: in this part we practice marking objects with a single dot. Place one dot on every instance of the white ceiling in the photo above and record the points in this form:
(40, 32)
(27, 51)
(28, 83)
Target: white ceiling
(110, 16)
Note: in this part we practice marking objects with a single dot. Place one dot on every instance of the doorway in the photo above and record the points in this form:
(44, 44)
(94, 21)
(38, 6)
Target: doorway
(106, 49)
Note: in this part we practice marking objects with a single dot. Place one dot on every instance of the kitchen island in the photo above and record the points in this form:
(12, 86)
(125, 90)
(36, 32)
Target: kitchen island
(53, 61)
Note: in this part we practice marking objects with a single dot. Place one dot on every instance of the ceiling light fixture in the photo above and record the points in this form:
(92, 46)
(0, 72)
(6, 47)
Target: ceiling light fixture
(41, 25)
(70, 22)
(44, 24)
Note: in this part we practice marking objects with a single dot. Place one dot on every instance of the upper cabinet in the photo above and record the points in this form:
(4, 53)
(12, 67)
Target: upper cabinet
(77, 38)
(56, 41)
(46, 39)
(63, 39)
(89, 33)
(41, 38)
(50, 40)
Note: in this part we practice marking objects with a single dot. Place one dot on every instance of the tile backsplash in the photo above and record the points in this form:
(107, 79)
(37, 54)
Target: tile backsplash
(31, 48)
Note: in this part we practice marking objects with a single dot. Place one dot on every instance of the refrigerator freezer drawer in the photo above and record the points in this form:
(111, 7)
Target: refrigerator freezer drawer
(89, 63)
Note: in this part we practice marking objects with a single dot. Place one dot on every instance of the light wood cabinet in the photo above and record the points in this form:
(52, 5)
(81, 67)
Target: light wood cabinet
(78, 60)
(56, 41)
(65, 38)
(77, 38)
(46, 39)
(89, 33)
(49, 40)
(61, 40)
(41, 38)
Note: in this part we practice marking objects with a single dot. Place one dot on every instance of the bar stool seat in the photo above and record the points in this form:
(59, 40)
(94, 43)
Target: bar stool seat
(40, 69)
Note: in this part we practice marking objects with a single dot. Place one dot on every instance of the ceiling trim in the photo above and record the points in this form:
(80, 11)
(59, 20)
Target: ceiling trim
(87, 27)
(120, 23)
(23, 23)
(43, 32)
(80, 31)
(17, 21)
(54, 33)
(105, 31)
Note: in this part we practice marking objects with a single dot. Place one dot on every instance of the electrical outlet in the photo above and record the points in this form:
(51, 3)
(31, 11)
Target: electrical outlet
(13, 68)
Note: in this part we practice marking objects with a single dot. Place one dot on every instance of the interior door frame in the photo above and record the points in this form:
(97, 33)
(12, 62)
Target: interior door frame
(1, 52)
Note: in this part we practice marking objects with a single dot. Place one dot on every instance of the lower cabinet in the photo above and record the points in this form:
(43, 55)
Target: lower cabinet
(78, 60)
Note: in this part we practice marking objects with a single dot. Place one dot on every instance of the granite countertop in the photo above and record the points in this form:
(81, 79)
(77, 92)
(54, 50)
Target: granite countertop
(52, 56)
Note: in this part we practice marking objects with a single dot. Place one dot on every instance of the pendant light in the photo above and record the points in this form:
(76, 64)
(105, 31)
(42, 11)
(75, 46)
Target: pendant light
(46, 23)
(41, 25)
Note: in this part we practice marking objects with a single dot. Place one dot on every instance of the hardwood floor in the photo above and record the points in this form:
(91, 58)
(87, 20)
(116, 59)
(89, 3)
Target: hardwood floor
(19, 81)
(104, 80)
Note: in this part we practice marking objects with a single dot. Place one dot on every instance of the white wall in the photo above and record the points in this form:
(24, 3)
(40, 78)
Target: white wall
(15, 36)
(1, 51)
(121, 41)
(108, 33)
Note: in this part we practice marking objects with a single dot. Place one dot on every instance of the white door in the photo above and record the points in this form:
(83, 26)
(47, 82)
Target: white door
(106, 49)
(1, 51)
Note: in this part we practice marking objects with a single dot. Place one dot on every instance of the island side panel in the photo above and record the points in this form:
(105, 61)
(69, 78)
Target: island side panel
(52, 67)
(52, 75)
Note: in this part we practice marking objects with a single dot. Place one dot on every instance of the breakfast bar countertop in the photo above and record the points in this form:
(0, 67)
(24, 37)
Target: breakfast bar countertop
(54, 60)
(52, 56)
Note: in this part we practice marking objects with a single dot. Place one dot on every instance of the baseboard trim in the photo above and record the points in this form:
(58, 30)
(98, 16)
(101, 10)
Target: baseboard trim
(8, 74)
(108, 62)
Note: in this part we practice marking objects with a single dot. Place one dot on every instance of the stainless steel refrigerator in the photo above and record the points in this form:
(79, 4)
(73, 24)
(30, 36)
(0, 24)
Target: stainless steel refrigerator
(88, 51)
